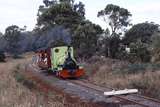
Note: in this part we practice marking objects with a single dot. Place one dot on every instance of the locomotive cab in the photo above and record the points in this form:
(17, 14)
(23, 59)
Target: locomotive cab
(64, 64)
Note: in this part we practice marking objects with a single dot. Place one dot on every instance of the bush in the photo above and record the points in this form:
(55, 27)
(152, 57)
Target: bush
(155, 47)
(137, 68)
(139, 52)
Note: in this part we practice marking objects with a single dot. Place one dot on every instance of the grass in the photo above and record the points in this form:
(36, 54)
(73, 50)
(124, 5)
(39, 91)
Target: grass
(14, 91)
(121, 75)
(20, 78)
(137, 68)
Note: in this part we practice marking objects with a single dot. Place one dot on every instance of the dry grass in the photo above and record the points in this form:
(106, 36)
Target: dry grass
(101, 71)
(14, 94)
(108, 74)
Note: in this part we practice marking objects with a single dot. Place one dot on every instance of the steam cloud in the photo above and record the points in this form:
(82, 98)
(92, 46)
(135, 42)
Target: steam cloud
(31, 42)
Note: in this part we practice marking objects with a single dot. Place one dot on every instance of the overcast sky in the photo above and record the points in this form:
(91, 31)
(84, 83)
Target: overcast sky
(24, 12)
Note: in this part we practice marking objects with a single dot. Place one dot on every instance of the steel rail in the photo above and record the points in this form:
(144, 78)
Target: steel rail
(145, 97)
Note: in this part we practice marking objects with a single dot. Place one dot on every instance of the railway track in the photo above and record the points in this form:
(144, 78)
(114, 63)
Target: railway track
(132, 100)
(140, 100)
(134, 95)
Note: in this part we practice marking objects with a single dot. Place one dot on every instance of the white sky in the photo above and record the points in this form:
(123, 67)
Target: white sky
(24, 12)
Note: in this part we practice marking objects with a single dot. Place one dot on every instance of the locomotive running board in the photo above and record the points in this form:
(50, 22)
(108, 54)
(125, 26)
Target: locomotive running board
(121, 92)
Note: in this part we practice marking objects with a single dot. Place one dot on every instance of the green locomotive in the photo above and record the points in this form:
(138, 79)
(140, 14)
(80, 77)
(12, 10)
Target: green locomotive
(61, 61)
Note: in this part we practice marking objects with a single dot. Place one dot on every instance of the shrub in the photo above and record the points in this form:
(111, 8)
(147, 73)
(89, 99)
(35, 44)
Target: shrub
(137, 68)
(155, 47)
(139, 51)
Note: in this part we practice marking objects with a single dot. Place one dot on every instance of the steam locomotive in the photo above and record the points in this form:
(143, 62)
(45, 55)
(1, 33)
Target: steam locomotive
(60, 60)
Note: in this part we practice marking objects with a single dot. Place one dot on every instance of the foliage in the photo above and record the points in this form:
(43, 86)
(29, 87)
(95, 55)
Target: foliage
(30, 41)
(138, 39)
(48, 3)
(141, 31)
(112, 46)
(139, 52)
(67, 13)
(155, 47)
(85, 39)
(115, 16)
(12, 34)
(136, 68)
(64, 12)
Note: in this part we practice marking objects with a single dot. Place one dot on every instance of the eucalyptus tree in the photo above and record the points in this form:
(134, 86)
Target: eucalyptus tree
(117, 19)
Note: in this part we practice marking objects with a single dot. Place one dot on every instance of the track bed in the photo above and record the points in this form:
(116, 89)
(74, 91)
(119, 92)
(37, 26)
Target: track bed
(88, 92)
